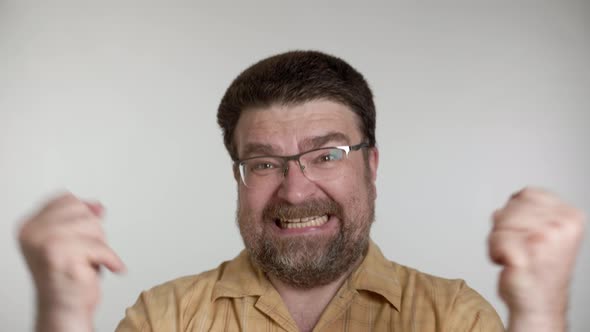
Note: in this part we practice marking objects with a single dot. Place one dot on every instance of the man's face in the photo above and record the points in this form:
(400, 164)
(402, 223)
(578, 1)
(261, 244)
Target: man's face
(339, 211)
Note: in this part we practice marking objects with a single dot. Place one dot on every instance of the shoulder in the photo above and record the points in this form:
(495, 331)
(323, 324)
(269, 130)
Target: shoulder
(169, 304)
(462, 307)
(423, 299)
(413, 281)
(185, 289)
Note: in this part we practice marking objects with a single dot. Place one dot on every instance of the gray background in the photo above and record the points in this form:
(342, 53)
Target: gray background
(117, 101)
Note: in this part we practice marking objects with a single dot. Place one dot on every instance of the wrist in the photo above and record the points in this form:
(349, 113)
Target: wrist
(537, 323)
(59, 321)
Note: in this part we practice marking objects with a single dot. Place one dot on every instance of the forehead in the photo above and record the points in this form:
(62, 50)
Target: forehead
(288, 127)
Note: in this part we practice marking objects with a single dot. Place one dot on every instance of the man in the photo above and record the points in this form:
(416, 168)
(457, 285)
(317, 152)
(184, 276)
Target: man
(300, 127)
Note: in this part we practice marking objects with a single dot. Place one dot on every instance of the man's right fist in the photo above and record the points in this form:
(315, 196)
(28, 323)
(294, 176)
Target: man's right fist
(64, 246)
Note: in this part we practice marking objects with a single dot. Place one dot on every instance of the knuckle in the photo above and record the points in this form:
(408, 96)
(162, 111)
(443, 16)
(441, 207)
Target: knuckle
(29, 233)
(490, 238)
(23, 231)
(90, 226)
(60, 200)
(97, 233)
(552, 235)
(497, 214)
(67, 199)
(543, 238)
(528, 193)
(536, 194)
(496, 242)
(101, 235)
(572, 229)
(492, 244)
(65, 195)
(500, 217)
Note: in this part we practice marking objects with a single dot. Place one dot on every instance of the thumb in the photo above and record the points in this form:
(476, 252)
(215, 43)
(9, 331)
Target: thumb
(96, 207)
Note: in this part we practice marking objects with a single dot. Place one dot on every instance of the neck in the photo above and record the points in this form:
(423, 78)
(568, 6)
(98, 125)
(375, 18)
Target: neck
(306, 305)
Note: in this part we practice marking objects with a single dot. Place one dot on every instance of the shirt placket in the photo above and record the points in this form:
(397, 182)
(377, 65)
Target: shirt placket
(273, 307)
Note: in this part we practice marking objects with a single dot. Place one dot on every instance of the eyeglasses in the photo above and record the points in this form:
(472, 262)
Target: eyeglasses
(318, 164)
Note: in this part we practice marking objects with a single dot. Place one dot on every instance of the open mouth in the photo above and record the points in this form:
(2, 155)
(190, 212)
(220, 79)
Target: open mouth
(314, 221)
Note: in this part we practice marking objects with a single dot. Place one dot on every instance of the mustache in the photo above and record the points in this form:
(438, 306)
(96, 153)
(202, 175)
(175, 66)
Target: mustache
(281, 210)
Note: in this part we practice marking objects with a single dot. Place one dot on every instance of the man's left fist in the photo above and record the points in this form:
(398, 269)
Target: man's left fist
(536, 238)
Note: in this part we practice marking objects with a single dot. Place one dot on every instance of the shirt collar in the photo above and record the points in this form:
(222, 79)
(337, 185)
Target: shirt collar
(240, 278)
(378, 275)
(375, 274)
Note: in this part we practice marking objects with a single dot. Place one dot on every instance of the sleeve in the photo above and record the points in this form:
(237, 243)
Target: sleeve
(164, 307)
(157, 309)
(470, 312)
(136, 319)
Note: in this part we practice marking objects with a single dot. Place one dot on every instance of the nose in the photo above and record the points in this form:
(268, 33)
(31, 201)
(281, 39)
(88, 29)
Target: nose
(295, 187)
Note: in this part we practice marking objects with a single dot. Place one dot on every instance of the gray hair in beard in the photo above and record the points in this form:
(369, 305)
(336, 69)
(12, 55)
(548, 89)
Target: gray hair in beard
(307, 263)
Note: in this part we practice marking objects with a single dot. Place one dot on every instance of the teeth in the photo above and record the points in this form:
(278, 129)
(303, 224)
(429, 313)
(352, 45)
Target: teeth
(315, 221)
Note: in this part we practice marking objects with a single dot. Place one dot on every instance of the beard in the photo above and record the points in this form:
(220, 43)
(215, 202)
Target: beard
(308, 261)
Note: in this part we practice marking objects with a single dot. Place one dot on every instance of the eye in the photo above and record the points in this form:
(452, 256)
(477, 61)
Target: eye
(327, 157)
(262, 166)
(331, 155)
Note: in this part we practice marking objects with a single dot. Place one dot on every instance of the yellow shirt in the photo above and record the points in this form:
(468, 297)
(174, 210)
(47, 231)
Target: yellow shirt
(378, 296)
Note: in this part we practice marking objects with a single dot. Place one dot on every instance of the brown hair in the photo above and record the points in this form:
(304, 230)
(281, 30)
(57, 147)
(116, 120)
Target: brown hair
(292, 78)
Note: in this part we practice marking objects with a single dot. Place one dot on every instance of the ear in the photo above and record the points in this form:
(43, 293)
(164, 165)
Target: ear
(236, 172)
(373, 162)
(373, 165)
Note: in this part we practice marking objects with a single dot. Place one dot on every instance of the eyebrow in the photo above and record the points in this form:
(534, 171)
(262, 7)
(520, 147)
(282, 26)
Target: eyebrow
(319, 141)
(261, 149)
(314, 142)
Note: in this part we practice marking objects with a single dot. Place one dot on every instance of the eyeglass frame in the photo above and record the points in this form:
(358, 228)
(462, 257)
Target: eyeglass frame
(238, 163)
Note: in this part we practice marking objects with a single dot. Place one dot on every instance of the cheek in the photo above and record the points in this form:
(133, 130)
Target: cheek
(353, 192)
(252, 201)
(343, 191)
(353, 183)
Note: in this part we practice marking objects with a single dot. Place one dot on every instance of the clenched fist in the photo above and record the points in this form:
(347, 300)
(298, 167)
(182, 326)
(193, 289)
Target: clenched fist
(64, 246)
(536, 238)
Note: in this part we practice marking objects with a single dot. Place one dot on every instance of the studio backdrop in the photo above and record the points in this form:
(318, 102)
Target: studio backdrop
(117, 101)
